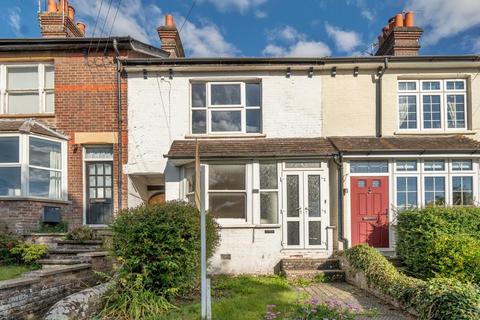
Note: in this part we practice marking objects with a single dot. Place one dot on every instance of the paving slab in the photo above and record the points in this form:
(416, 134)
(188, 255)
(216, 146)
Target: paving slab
(346, 295)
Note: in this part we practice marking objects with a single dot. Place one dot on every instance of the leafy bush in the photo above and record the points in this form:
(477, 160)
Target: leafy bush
(436, 299)
(28, 252)
(418, 230)
(60, 227)
(161, 246)
(81, 234)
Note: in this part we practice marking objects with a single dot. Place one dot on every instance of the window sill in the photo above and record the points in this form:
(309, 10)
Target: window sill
(28, 115)
(450, 132)
(34, 199)
(219, 136)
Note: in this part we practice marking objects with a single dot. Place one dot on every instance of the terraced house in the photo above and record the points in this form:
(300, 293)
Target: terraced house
(63, 124)
(305, 156)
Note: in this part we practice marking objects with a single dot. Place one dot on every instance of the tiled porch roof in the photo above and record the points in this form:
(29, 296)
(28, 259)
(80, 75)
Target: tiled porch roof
(452, 143)
(247, 148)
(29, 126)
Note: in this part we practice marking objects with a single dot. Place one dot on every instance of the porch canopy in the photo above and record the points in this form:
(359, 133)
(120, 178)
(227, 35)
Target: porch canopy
(252, 148)
(406, 145)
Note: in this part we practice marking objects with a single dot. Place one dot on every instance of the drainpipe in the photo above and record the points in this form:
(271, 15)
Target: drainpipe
(338, 159)
(119, 122)
(381, 72)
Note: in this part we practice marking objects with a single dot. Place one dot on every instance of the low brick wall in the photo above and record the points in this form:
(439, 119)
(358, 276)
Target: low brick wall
(49, 239)
(33, 294)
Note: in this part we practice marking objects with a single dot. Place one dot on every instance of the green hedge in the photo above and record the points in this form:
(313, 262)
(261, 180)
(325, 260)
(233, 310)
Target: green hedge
(159, 247)
(435, 299)
(423, 236)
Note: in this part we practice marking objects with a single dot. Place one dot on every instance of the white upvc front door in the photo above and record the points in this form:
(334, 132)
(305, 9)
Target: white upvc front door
(304, 210)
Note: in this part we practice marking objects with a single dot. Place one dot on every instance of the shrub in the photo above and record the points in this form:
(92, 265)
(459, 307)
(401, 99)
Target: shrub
(161, 245)
(436, 299)
(28, 252)
(418, 230)
(60, 227)
(81, 234)
(456, 256)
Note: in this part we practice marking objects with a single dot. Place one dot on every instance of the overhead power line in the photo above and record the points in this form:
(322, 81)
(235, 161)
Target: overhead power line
(194, 2)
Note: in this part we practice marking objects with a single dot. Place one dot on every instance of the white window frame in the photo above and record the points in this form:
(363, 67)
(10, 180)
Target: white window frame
(18, 164)
(209, 107)
(256, 172)
(435, 174)
(24, 158)
(443, 92)
(406, 175)
(42, 90)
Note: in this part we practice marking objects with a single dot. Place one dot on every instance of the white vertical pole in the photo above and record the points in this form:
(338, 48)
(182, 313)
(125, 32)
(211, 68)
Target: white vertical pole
(203, 244)
(209, 299)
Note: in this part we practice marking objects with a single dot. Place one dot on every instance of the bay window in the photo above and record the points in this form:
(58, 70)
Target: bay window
(31, 166)
(225, 107)
(28, 89)
(439, 105)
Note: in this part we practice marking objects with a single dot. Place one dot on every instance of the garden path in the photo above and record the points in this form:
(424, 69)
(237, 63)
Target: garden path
(344, 295)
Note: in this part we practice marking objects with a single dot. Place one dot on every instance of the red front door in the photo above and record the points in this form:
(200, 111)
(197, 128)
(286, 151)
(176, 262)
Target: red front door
(369, 210)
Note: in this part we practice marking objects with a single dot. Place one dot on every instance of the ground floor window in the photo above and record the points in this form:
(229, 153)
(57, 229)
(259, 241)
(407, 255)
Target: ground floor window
(407, 192)
(462, 190)
(268, 193)
(434, 191)
(32, 166)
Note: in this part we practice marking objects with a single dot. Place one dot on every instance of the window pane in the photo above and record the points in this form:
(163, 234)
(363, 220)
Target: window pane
(104, 153)
(407, 85)
(225, 94)
(253, 94)
(293, 233)
(293, 201)
(462, 191)
(9, 150)
(435, 191)
(253, 120)
(456, 111)
(22, 78)
(226, 121)
(199, 121)
(434, 165)
(49, 77)
(10, 181)
(23, 103)
(432, 118)
(190, 178)
(406, 165)
(45, 183)
(226, 177)
(455, 85)
(49, 102)
(199, 95)
(227, 205)
(293, 165)
(314, 233)
(269, 207)
(407, 112)
(431, 85)
(406, 192)
(44, 153)
(462, 165)
(368, 166)
(268, 176)
(314, 206)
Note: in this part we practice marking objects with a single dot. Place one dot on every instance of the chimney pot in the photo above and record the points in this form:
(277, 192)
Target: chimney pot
(71, 13)
(409, 22)
(399, 20)
(81, 26)
(52, 6)
(169, 22)
(63, 6)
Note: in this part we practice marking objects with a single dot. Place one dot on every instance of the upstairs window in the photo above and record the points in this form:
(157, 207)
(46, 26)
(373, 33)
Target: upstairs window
(433, 105)
(28, 89)
(226, 107)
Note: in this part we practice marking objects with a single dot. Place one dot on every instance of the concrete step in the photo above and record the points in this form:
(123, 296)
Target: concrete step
(335, 275)
(310, 264)
(49, 262)
(75, 244)
(66, 253)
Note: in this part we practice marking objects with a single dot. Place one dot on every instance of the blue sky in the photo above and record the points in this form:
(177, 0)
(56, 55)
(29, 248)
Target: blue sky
(267, 27)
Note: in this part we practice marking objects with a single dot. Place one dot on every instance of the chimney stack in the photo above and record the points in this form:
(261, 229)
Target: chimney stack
(170, 38)
(400, 37)
(59, 21)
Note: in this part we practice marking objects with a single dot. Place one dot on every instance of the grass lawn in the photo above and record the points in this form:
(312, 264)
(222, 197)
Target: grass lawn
(243, 297)
(13, 271)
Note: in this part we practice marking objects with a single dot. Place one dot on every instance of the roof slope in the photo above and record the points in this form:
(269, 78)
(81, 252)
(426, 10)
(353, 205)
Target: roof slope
(29, 126)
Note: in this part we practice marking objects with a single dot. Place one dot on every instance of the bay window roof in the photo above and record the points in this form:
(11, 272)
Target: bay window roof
(29, 126)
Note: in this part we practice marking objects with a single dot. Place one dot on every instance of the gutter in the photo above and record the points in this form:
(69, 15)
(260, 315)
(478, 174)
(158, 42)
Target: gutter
(119, 122)
(378, 105)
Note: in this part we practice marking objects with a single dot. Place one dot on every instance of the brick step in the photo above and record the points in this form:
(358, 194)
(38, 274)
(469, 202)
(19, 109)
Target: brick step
(335, 275)
(310, 264)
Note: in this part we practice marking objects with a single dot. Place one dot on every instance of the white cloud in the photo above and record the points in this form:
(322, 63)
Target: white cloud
(345, 41)
(235, 5)
(287, 41)
(206, 40)
(15, 21)
(368, 14)
(444, 19)
(259, 14)
(476, 46)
